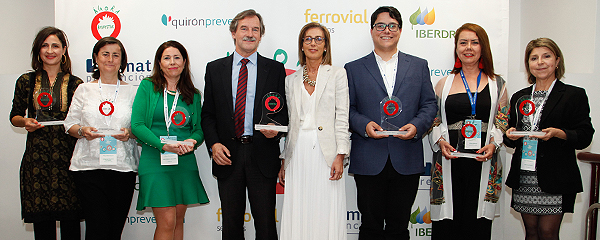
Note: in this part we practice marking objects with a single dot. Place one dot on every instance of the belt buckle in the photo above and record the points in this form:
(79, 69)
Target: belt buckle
(246, 139)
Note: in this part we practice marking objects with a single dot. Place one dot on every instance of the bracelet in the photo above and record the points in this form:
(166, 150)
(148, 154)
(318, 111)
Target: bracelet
(80, 131)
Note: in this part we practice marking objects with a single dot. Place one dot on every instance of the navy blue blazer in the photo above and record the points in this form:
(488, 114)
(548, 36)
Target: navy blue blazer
(413, 88)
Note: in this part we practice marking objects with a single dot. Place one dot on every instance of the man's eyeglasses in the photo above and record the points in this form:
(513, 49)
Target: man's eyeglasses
(318, 40)
(393, 27)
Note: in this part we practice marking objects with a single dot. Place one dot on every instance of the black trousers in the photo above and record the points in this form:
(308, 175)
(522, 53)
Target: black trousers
(466, 175)
(105, 197)
(46, 230)
(261, 195)
(385, 201)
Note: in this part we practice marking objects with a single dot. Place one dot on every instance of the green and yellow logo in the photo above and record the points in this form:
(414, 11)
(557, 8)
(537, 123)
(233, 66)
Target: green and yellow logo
(422, 18)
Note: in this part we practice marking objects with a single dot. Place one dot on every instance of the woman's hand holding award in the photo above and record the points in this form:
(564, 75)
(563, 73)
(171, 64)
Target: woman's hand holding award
(390, 108)
(272, 104)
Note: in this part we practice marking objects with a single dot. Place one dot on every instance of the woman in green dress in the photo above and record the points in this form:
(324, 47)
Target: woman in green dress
(47, 188)
(166, 120)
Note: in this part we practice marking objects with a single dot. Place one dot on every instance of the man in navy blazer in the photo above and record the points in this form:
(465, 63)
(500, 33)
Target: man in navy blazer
(386, 168)
(244, 158)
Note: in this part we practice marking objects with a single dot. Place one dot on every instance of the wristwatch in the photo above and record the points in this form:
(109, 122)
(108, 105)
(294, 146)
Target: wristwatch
(80, 131)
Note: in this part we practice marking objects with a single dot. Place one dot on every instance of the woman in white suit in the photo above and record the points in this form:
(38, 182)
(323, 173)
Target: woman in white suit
(314, 204)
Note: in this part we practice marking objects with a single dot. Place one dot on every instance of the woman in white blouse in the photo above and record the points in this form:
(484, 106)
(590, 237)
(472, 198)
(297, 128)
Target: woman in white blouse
(105, 158)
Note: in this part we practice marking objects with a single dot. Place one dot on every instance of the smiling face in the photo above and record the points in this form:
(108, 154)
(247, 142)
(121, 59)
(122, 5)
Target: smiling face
(314, 51)
(109, 59)
(172, 63)
(247, 36)
(52, 50)
(386, 40)
(543, 64)
(468, 48)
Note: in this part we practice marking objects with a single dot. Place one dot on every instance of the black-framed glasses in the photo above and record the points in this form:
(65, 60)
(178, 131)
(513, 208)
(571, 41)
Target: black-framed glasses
(393, 27)
(318, 40)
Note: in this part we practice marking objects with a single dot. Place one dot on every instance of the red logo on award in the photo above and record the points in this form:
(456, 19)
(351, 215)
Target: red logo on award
(464, 130)
(276, 104)
(522, 107)
(39, 99)
(182, 118)
(387, 107)
(106, 108)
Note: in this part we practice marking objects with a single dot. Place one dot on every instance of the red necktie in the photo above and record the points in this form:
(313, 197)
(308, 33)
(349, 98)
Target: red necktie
(240, 99)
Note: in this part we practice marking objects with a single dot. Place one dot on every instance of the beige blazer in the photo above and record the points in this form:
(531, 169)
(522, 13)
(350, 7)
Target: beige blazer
(331, 112)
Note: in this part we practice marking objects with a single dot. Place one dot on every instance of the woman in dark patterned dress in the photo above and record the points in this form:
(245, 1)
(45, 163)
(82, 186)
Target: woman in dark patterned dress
(544, 174)
(47, 189)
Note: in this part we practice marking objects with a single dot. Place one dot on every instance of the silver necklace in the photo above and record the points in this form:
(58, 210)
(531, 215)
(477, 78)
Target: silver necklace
(307, 80)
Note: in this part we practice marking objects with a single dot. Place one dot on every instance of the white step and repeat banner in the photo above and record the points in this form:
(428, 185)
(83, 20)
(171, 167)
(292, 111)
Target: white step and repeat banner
(203, 28)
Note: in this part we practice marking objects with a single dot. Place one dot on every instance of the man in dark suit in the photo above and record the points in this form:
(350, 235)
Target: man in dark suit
(387, 168)
(244, 158)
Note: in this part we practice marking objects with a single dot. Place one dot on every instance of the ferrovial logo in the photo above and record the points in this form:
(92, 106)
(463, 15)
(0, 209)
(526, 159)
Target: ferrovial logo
(106, 22)
(194, 22)
(336, 17)
(422, 18)
(427, 18)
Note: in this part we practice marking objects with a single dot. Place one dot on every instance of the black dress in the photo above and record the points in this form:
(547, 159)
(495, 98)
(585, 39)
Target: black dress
(47, 188)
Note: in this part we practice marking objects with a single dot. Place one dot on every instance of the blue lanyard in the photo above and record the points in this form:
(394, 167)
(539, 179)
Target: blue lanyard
(472, 97)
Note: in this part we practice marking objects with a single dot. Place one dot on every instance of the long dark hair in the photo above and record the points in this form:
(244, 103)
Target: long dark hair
(36, 62)
(185, 84)
(101, 43)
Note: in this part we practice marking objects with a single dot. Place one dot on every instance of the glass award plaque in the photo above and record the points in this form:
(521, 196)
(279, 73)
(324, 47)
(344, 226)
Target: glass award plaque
(469, 140)
(390, 107)
(525, 111)
(272, 103)
(108, 131)
(43, 113)
(167, 141)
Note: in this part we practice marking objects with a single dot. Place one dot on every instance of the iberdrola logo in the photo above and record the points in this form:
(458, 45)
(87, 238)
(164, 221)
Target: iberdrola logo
(420, 217)
(422, 18)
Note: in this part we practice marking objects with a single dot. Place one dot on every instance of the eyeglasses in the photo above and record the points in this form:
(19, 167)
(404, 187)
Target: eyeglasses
(318, 40)
(393, 27)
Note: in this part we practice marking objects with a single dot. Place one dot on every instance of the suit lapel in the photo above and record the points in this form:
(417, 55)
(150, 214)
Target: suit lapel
(402, 69)
(373, 68)
(226, 78)
(555, 95)
(322, 78)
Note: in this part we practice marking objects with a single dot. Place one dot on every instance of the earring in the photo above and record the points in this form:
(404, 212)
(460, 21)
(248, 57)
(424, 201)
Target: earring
(480, 65)
(64, 59)
(458, 63)
(39, 60)
(303, 49)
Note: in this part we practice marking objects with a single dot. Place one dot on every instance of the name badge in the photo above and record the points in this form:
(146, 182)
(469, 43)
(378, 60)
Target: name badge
(168, 158)
(529, 154)
(108, 151)
(472, 133)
